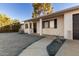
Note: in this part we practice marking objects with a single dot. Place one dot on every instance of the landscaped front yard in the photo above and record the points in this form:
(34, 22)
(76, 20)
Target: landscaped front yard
(12, 44)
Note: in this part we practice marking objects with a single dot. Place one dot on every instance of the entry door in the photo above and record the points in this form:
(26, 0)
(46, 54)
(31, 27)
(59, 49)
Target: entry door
(76, 26)
(34, 27)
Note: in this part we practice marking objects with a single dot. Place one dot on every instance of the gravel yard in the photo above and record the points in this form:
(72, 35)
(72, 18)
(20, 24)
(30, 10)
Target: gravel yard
(12, 44)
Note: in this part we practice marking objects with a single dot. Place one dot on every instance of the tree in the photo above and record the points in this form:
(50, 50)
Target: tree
(38, 8)
(47, 8)
(7, 24)
(4, 19)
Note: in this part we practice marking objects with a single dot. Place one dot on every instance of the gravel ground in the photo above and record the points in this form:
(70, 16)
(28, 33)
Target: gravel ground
(12, 44)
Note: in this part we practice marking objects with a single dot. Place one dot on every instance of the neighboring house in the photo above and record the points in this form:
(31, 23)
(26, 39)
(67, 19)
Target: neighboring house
(61, 23)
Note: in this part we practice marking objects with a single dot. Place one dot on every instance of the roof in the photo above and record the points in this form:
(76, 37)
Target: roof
(56, 13)
(21, 22)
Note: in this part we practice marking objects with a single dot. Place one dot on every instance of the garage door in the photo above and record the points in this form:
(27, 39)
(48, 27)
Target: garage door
(76, 26)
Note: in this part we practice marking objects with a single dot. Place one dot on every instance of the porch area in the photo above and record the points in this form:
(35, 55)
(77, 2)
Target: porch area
(45, 26)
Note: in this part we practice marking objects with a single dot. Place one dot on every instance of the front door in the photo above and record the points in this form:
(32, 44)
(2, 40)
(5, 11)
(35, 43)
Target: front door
(76, 26)
(34, 27)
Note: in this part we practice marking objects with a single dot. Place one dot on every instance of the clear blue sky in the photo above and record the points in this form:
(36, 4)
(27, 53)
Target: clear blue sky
(23, 11)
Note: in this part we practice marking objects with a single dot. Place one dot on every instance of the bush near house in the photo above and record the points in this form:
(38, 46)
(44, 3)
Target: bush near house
(10, 28)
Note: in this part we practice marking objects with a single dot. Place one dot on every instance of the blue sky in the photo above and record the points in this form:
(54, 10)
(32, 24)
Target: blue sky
(23, 11)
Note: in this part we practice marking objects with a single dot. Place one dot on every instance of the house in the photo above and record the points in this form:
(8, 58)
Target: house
(61, 23)
(21, 30)
(22, 25)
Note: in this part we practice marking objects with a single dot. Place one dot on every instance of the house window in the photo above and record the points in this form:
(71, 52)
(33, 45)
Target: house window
(46, 24)
(55, 23)
(26, 25)
(52, 24)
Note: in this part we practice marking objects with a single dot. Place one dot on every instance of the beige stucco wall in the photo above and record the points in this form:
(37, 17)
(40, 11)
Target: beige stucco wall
(38, 27)
(64, 26)
(25, 29)
(22, 27)
(58, 31)
(28, 30)
(68, 24)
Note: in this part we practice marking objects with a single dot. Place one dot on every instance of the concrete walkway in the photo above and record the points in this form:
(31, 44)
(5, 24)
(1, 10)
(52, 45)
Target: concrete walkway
(69, 48)
(38, 48)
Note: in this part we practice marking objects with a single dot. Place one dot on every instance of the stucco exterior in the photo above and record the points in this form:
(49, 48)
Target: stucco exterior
(22, 27)
(56, 31)
(64, 24)
(25, 29)
(68, 24)
(38, 27)
(50, 31)
(28, 30)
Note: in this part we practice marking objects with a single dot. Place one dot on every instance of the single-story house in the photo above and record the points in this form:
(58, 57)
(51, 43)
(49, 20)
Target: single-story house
(61, 23)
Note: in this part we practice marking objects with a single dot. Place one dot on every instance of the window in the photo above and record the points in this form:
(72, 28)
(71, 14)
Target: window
(26, 25)
(52, 24)
(55, 23)
(45, 24)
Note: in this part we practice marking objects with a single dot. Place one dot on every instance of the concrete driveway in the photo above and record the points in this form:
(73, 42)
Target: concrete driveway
(69, 48)
(38, 48)
(12, 44)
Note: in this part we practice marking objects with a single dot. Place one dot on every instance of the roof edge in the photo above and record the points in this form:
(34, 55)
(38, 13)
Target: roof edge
(61, 11)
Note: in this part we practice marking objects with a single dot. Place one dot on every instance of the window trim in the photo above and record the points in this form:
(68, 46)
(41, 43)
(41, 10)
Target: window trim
(53, 23)
(26, 26)
(43, 25)
(52, 19)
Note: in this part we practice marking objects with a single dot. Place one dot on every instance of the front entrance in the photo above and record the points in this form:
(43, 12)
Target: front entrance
(34, 27)
(76, 26)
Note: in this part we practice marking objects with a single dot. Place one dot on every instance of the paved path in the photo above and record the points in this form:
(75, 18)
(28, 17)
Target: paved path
(38, 48)
(11, 44)
(69, 48)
